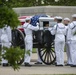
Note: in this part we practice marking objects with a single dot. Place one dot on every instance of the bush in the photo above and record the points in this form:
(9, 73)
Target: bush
(13, 55)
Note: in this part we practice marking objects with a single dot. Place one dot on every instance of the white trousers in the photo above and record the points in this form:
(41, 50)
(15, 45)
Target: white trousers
(28, 49)
(5, 43)
(59, 50)
(38, 60)
(67, 45)
(73, 52)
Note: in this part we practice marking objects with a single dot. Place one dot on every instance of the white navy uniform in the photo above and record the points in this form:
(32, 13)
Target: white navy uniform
(38, 59)
(71, 31)
(59, 31)
(5, 40)
(28, 28)
(67, 45)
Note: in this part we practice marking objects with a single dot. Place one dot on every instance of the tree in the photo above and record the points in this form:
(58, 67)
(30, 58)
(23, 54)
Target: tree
(13, 55)
(9, 17)
(66, 2)
(29, 3)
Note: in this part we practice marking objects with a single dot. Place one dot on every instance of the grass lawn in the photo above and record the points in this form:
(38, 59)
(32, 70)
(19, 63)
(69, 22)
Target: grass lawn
(34, 50)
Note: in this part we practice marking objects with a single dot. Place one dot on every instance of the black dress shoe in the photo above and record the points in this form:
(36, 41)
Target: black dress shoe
(27, 64)
(67, 64)
(73, 65)
(59, 65)
(5, 64)
(38, 63)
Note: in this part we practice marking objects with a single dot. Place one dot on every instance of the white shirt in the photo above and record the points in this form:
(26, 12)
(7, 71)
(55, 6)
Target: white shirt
(28, 28)
(59, 31)
(71, 30)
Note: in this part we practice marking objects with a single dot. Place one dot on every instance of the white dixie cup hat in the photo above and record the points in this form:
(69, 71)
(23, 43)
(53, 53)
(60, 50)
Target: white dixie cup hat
(66, 19)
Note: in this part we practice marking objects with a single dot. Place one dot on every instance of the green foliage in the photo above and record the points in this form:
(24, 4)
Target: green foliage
(34, 50)
(29, 3)
(28, 52)
(8, 16)
(74, 33)
(13, 55)
(66, 2)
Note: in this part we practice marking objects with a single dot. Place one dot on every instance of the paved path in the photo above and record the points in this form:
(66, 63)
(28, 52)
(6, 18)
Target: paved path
(38, 69)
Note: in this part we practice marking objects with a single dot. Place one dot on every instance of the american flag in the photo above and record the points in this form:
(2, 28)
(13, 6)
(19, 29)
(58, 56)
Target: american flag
(35, 18)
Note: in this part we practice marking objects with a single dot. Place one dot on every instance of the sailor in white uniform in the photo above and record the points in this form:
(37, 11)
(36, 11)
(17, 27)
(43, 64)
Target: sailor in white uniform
(67, 41)
(38, 59)
(28, 28)
(6, 42)
(59, 31)
(72, 34)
